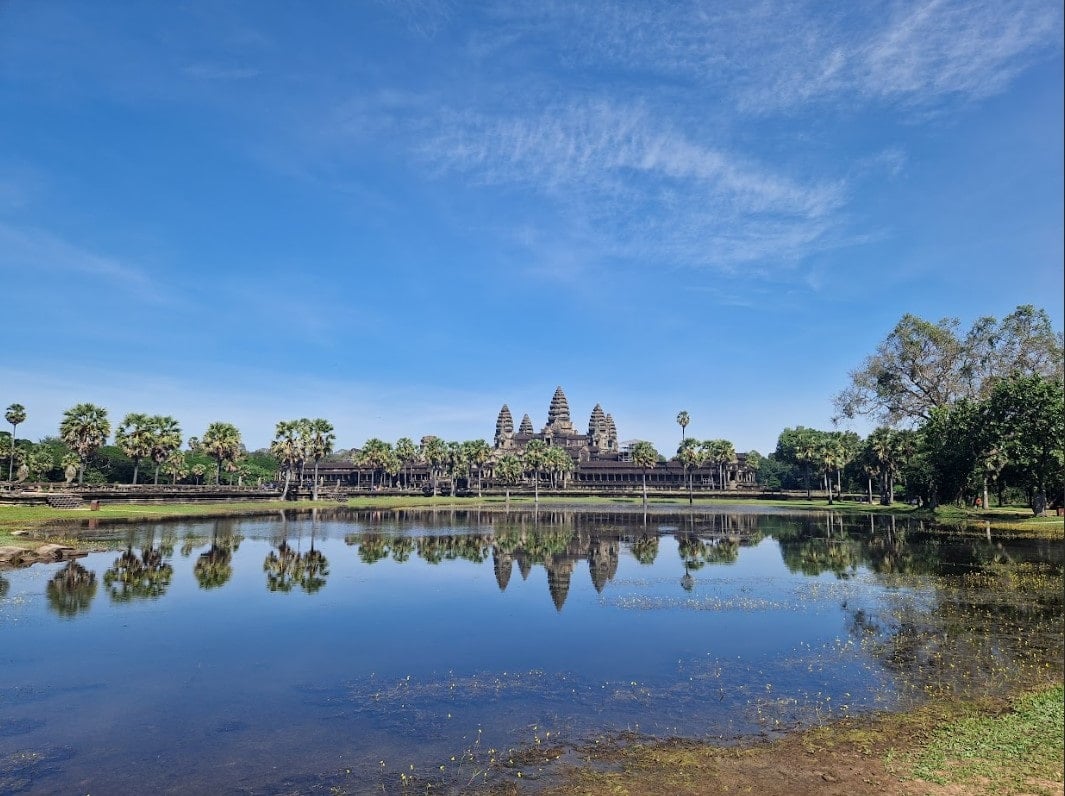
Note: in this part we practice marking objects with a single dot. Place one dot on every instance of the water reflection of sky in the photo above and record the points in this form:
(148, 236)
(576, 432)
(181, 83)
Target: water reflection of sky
(393, 664)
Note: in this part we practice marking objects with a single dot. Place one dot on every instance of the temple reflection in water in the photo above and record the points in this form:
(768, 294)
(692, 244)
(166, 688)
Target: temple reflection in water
(559, 541)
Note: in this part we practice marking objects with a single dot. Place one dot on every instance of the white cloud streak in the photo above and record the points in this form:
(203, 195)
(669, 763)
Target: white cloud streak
(641, 183)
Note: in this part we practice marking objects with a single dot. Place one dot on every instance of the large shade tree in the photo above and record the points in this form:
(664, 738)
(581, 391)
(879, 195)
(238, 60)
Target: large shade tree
(922, 366)
(84, 428)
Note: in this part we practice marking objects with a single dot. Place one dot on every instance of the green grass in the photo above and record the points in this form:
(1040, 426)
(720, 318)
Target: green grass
(1018, 752)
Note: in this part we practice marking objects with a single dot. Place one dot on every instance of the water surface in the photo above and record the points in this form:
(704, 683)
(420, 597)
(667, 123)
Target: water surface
(359, 651)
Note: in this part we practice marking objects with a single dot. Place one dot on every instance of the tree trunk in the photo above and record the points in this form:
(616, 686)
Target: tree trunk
(314, 490)
(288, 478)
(645, 489)
(869, 486)
(828, 483)
(157, 474)
(136, 467)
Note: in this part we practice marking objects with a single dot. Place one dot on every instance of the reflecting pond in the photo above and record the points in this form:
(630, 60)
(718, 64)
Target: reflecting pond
(347, 652)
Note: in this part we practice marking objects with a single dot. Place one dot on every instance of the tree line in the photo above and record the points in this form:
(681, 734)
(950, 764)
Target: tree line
(962, 416)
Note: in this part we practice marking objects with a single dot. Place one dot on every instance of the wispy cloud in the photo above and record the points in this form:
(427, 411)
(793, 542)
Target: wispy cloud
(36, 251)
(774, 55)
(640, 182)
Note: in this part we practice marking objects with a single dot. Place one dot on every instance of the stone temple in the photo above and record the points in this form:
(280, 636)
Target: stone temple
(599, 444)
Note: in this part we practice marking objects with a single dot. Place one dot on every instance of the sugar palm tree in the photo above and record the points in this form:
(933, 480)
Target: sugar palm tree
(165, 438)
(645, 457)
(508, 470)
(175, 466)
(407, 453)
(478, 452)
(691, 457)
(134, 438)
(222, 442)
(559, 463)
(15, 414)
(682, 420)
(287, 448)
(319, 443)
(535, 459)
(434, 454)
(84, 429)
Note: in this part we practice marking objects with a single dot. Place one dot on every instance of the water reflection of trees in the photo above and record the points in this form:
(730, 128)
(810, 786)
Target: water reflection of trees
(139, 576)
(71, 590)
(214, 568)
(286, 568)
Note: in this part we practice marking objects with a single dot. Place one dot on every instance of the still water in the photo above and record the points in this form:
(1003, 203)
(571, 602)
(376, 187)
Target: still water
(389, 652)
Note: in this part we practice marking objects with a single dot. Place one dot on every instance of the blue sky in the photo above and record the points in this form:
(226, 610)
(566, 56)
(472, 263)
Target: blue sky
(400, 215)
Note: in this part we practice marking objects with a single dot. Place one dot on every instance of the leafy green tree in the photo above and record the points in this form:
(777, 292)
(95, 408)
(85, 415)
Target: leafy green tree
(15, 415)
(922, 366)
(645, 457)
(134, 438)
(1026, 419)
(84, 429)
(221, 441)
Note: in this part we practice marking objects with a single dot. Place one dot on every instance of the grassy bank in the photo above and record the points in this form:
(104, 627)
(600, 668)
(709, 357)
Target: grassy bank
(962, 749)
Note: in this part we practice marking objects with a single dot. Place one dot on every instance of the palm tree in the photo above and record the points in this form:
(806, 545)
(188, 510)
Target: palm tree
(319, 443)
(175, 466)
(15, 414)
(374, 454)
(508, 470)
(84, 429)
(682, 421)
(434, 454)
(166, 439)
(535, 459)
(559, 463)
(478, 452)
(222, 442)
(288, 449)
(407, 453)
(690, 456)
(134, 437)
(645, 457)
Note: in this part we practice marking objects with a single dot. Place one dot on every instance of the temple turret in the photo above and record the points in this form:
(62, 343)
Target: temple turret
(526, 426)
(558, 417)
(504, 427)
(611, 434)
